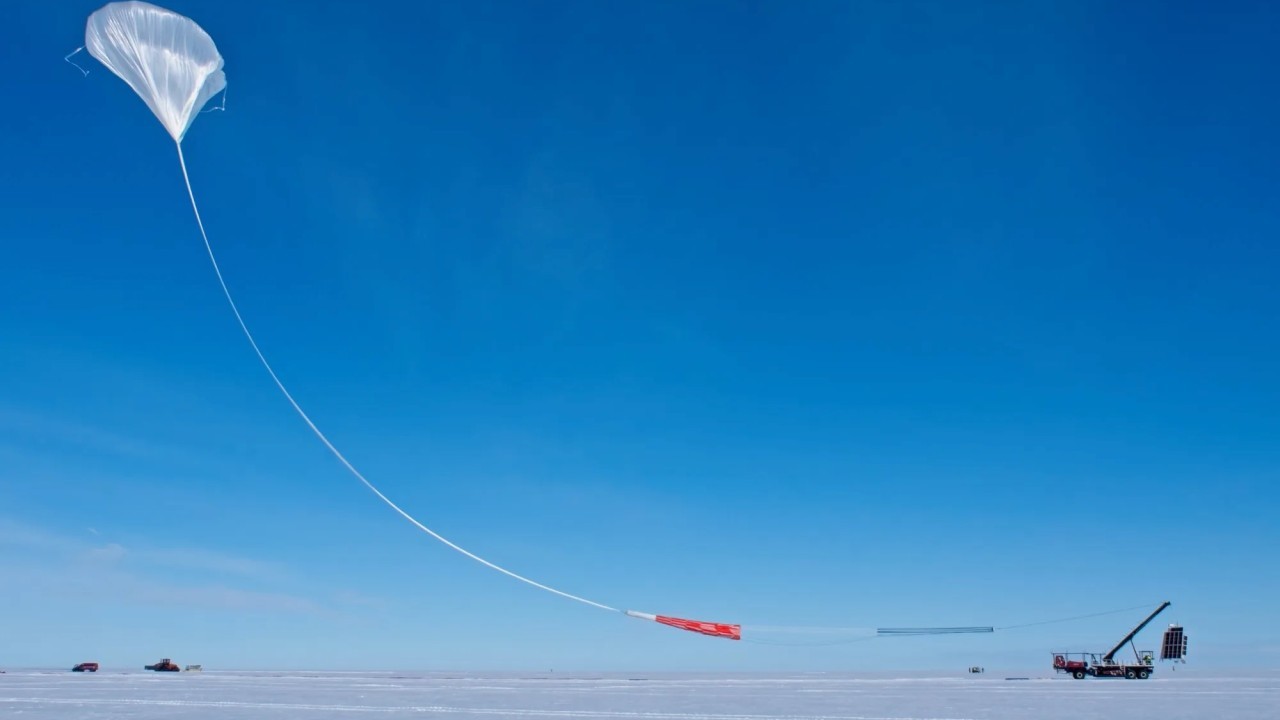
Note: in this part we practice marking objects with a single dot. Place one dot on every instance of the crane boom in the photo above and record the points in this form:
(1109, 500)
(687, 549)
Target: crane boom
(1110, 656)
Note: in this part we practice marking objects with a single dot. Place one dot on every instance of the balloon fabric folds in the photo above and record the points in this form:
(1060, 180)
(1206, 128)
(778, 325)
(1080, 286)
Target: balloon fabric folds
(169, 60)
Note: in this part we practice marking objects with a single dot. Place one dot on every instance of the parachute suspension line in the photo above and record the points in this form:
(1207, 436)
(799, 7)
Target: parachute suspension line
(809, 643)
(1076, 617)
(72, 54)
(347, 464)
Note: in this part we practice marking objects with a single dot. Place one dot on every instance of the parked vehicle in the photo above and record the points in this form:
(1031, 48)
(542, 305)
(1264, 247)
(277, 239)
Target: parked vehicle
(86, 667)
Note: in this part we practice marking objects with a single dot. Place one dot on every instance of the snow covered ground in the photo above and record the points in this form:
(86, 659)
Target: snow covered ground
(37, 695)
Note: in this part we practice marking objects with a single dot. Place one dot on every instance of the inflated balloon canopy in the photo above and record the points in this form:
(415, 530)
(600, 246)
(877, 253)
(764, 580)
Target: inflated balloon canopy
(169, 60)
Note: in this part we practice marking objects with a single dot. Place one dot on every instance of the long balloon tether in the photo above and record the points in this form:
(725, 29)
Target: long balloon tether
(175, 67)
(336, 453)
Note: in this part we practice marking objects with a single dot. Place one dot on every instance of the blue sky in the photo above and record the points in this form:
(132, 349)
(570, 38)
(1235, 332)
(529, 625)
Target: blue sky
(838, 315)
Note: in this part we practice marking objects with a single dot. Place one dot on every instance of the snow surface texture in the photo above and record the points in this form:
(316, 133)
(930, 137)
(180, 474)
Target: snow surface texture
(36, 695)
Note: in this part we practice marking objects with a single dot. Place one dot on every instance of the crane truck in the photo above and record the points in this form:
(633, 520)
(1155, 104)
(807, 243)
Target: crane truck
(1084, 664)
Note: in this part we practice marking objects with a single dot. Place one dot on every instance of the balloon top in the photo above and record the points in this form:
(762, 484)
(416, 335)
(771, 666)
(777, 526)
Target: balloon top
(169, 60)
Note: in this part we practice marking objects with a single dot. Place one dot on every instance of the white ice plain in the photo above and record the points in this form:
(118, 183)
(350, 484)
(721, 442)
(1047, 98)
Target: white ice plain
(40, 695)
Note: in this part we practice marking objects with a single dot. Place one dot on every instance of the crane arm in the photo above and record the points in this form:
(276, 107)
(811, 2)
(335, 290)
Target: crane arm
(1110, 656)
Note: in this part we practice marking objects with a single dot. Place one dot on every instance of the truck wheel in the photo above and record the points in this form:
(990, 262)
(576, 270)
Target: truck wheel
(1130, 674)
(1079, 674)
(1143, 674)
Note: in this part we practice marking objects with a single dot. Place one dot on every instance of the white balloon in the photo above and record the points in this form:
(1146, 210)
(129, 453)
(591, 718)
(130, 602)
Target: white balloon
(169, 60)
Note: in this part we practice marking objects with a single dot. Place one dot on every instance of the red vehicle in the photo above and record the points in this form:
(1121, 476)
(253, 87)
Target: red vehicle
(165, 665)
(86, 667)
(1082, 664)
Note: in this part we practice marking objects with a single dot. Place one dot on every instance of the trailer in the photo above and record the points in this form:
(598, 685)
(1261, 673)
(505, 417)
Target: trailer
(1080, 665)
(1083, 664)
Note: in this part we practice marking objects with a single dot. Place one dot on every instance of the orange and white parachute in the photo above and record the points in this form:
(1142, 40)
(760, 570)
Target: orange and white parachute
(732, 632)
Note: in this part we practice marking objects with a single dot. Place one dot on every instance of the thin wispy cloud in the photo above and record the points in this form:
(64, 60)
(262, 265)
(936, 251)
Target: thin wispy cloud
(210, 561)
(353, 598)
(107, 554)
(198, 559)
(45, 429)
(218, 597)
(18, 535)
(53, 564)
